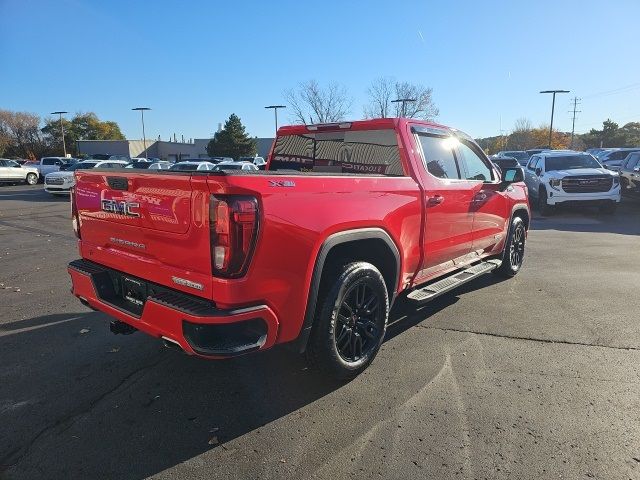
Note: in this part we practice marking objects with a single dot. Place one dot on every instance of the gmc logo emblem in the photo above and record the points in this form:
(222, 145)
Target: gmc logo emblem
(120, 208)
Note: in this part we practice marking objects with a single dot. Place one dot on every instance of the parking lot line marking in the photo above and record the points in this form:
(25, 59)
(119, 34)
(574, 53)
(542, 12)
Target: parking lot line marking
(4, 331)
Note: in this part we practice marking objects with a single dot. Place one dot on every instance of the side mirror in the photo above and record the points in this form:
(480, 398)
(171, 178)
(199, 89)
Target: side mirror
(17, 165)
(512, 175)
(538, 171)
(636, 169)
(58, 162)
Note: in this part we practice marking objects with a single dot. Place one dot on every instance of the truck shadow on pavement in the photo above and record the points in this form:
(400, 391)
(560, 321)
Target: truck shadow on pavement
(78, 402)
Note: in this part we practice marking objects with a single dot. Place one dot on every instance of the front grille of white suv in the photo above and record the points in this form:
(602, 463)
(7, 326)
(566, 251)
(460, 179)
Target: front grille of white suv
(587, 184)
(54, 181)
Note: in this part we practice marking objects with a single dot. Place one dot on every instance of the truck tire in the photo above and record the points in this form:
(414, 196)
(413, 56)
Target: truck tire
(543, 207)
(350, 321)
(31, 179)
(513, 249)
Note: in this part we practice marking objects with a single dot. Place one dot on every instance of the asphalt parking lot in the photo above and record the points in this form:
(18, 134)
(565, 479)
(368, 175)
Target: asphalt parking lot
(534, 377)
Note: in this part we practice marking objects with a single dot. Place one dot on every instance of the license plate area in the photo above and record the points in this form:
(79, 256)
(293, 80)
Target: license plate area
(129, 294)
(135, 293)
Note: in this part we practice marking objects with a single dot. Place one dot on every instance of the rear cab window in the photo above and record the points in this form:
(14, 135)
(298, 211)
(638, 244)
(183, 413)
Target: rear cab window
(356, 152)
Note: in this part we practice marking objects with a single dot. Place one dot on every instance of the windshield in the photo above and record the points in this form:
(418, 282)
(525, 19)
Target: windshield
(618, 155)
(517, 155)
(184, 167)
(506, 162)
(570, 162)
(82, 166)
(229, 166)
(142, 165)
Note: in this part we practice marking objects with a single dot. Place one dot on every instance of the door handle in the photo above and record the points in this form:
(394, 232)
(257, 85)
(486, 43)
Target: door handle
(436, 200)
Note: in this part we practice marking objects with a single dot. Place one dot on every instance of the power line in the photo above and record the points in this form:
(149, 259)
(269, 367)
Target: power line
(614, 91)
(573, 122)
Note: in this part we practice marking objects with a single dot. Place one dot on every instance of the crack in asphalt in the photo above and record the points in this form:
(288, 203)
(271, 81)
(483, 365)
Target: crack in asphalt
(530, 339)
(21, 452)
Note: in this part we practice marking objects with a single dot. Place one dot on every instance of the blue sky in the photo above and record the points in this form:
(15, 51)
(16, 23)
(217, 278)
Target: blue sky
(194, 63)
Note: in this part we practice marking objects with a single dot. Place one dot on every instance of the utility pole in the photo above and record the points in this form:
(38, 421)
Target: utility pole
(553, 106)
(64, 145)
(573, 122)
(275, 112)
(144, 137)
(404, 101)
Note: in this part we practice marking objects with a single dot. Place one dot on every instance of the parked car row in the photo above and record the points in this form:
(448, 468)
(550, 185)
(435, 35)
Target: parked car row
(612, 158)
(567, 177)
(630, 174)
(62, 181)
(200, 165)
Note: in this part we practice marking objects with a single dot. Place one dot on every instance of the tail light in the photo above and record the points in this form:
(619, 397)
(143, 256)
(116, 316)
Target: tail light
(233, 221)
(75, 218)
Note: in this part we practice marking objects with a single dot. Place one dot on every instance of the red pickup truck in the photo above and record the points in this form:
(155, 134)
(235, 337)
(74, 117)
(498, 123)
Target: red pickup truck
(313, 251)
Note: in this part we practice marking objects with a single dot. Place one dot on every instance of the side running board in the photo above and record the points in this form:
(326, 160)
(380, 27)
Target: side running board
(433, 290)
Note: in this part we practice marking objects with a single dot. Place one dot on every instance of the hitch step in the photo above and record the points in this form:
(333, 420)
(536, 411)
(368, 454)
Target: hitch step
(433, 290)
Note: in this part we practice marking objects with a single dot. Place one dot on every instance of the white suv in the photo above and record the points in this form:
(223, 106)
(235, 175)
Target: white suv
(566, 177)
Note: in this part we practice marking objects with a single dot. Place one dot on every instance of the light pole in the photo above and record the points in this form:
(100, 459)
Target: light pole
(553, 106)
(275, 112)
(64, 145)
(144, 137)
(403, 101)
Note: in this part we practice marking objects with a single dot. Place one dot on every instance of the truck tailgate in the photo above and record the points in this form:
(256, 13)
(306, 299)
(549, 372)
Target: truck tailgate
(146, 224)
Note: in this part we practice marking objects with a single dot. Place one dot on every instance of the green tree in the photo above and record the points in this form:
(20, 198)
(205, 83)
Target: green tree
(610, 136)
(83, 126)
(232, 141)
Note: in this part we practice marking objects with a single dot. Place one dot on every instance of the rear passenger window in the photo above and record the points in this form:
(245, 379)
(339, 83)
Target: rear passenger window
(439, 157)
(475, 168)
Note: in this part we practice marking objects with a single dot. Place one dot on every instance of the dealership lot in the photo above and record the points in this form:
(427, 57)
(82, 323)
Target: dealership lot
(534, 377)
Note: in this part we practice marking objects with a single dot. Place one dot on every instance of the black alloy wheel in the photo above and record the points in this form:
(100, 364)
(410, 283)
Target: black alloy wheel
(350, 321)
(513, 255)
(516, 248)
(358, 323)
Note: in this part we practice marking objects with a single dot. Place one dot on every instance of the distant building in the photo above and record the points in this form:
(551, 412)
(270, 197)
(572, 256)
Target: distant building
(164, 150)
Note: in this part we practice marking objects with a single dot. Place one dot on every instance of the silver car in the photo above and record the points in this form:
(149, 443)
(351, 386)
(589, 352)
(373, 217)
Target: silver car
(61, 182)
(12, 171)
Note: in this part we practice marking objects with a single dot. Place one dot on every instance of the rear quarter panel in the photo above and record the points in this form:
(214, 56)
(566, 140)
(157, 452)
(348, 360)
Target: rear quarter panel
(295, 222)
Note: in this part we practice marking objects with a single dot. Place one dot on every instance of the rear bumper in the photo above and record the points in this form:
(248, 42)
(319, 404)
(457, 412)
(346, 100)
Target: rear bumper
(194, 323)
